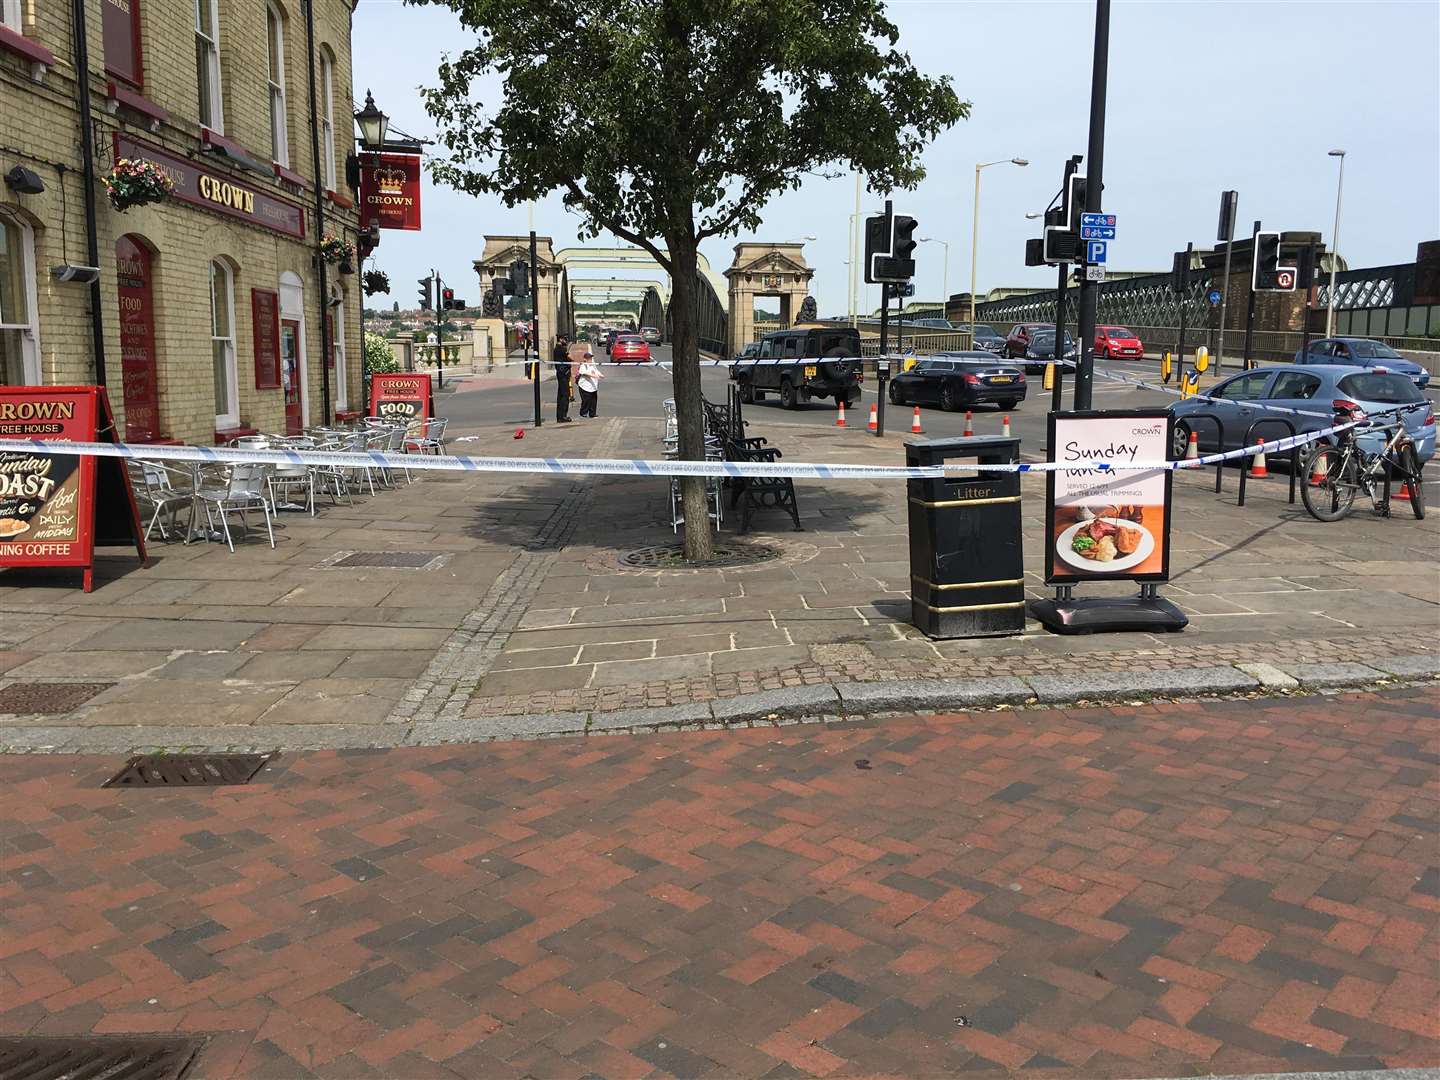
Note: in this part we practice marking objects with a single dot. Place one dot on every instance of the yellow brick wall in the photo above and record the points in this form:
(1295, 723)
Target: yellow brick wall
(39, 127)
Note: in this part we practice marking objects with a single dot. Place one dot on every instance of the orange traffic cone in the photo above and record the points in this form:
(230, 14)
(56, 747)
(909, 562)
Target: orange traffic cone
(1193, 450)
(969, 430)
(874, 424)
(840, 416)
(1005, 426)
(1318, 475)
(1258, 471)
(1404, 492)
(915, 428)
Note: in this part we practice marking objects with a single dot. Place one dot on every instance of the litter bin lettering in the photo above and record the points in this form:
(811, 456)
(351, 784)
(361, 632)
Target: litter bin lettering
(967, 576)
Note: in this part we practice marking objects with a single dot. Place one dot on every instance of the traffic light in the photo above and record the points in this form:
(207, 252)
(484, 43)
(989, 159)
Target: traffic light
(1180, 271)
(889, 247)
(1266, 273)
(1035, 252)
(1060, 245)
(902, 261)
(426, 303)
(879, 234)
(447, 299)
(520, 277)
(1074, 202)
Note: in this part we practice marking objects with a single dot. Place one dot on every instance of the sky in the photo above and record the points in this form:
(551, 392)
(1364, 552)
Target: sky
(1203, 96)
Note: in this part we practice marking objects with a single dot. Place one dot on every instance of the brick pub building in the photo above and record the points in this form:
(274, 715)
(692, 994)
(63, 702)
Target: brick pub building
(216, 316)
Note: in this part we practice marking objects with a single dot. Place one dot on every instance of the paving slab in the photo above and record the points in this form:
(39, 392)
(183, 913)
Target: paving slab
(1079, 686)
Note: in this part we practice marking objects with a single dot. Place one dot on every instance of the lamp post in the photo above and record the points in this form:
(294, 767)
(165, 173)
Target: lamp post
(945, 288)
(374, 126)
(1334, 244)
(975, 226)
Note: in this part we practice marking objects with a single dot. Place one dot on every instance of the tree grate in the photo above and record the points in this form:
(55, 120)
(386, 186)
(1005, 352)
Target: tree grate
(672, 557)
(47, 698)
(99, 1057)
(188, 770)
(386, 560)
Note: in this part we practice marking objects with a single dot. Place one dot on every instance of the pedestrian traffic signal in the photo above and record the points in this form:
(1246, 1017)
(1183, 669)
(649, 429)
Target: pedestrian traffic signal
(890, 247)
(520, 277)
(426, 303)
(878, 238)
(1060, 245)
(902, 262)
(447, 299)
(1266, 273)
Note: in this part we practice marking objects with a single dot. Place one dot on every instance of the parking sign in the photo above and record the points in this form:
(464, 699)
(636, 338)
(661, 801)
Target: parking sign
(1095, 251)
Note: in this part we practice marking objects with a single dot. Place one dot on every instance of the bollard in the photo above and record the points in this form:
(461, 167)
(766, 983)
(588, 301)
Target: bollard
(1049, 383)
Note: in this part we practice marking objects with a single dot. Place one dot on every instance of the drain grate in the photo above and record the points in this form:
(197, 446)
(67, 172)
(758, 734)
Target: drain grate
(672, 557)
(48, 698)
(133, 1058)
(386, 560)
(188, 770)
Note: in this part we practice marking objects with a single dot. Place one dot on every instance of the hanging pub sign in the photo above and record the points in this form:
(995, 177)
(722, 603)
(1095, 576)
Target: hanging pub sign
(1103, 525)
(390, 191)
(55, 509)
(401, 398)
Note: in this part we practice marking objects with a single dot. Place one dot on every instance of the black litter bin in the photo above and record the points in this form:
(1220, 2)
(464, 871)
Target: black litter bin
(966, 559)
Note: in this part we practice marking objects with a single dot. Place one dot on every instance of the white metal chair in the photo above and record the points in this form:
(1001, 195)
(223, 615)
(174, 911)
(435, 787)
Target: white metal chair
(427, 436)
(162, 490)
(245, 489)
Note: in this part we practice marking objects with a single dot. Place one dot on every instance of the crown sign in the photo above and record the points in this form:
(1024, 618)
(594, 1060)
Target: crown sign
(390, 181)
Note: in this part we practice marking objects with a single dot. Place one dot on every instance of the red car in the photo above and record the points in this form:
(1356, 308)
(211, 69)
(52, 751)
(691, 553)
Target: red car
(1118, 343)
(631, 348)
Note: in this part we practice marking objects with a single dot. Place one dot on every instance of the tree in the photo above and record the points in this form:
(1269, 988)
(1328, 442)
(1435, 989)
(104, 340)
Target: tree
(696, 113)
(379, 357)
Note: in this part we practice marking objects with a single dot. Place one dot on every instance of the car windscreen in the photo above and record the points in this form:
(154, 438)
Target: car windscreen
(1119, 332)
(1386, 389)
(1376, 350)
(1040, 341)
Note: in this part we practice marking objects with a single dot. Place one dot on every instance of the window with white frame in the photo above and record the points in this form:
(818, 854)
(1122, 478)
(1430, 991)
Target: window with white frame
(338, 377)
(279, 122)
(327, 117)
(10, 15)
(19, 338)
(207, 63)
(222, 345)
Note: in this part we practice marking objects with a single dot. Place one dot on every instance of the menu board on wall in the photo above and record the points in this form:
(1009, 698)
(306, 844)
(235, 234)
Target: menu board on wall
(265, 320)
(56, 508)
(136, 293)
(1112, 523)
(401, 398)
(120, 31)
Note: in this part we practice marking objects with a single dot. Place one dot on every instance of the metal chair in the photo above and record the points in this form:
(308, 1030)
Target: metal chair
(427, 436)
(242, 491)
(161, 489)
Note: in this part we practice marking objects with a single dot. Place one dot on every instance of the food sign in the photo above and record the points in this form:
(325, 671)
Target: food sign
(1108, 524)
(401, 398)
(56, 508)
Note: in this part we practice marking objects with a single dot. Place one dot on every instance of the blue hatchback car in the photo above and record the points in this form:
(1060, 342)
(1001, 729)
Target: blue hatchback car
(1313, 388)
(1365, 353)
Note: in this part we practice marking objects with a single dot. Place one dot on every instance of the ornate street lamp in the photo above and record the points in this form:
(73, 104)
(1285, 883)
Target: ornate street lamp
(374, 124)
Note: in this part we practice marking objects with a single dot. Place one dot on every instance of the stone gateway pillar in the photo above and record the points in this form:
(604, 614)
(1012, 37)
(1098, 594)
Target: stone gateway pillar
(762, 269)
(501, 251)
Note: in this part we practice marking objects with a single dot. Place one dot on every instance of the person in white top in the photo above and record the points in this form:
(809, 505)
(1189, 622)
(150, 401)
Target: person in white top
(587, 379)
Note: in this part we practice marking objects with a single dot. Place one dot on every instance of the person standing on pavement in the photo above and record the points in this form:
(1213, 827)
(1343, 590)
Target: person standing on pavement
(587, 378)
(560, 357)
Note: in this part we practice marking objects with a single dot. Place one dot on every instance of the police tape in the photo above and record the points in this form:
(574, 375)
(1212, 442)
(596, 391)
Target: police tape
(370, 459)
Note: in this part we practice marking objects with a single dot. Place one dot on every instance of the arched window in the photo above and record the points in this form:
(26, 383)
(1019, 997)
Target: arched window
(279, 121)
(327, 117)
(19, 332)
(222, 345)
(207, 63)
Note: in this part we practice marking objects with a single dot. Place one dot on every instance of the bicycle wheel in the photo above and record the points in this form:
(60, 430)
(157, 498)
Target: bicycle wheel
(1410, 464)
(1328, 491)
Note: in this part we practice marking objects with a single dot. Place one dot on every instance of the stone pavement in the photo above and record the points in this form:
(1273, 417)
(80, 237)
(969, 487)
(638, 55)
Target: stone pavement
(1160, 890)
(525, 611)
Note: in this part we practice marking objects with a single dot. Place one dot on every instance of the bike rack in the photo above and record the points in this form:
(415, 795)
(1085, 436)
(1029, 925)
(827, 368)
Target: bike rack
(1219, 436)
(1293, 454)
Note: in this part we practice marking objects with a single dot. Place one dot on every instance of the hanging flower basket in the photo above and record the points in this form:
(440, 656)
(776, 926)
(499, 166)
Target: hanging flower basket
(376, 281)
(335, 250)
(137, 182)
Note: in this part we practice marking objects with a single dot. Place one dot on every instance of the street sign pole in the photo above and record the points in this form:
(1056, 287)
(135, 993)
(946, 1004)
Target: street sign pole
(1184, 295)
(1095, 171)
(1228, 203)
(1250, 301)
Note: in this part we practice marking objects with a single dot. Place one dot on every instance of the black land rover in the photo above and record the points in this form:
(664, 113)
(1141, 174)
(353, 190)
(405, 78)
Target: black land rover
(819, 362)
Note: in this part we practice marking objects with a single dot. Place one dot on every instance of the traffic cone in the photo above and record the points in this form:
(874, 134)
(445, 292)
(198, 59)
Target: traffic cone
(519, 433)
(874, 424)
(1317, 472)
(1257, 464)
(1404, 492)
(840, 416)
(915, 428)
(1005, 426)
(969, 430)
(1193, 450)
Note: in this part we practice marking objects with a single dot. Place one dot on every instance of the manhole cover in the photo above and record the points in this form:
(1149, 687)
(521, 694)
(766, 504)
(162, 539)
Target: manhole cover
(48, 698)
(39, 1058)
(187, 770)
(386, 560)
(672, 557)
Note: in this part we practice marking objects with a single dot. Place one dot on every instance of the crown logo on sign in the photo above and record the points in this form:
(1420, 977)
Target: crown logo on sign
(390, 181)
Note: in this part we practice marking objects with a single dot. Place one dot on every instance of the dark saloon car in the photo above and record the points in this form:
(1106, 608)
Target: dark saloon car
(958, 380)
(985, 337)
(1363, 352)
(1042, 350)
(1017, 343)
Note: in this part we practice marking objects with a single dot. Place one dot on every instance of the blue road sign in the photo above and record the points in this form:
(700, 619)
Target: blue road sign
(1097, 232)
(1097, 219)
(1214, 298)
(1095, 251)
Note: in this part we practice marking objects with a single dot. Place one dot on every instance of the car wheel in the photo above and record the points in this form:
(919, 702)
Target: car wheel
(897, 396)
(948, 401)
(747, 392)
(788, 397)
(1180, 441)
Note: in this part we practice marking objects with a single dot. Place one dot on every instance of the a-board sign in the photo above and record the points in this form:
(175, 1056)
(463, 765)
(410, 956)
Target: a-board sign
(55, 509)
(401, 398)
(1103, 525)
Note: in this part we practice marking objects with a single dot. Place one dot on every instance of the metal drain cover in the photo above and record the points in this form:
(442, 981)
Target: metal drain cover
(134, 1058)
(672, 557)
(48, 698)
(187, 770)
(386, 560)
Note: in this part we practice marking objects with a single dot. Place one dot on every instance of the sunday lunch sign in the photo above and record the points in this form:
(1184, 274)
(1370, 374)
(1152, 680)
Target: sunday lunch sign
(401, 398)
(1102, 525)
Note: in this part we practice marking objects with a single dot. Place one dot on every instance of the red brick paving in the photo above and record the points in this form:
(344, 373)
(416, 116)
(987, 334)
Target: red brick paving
(1170, 889)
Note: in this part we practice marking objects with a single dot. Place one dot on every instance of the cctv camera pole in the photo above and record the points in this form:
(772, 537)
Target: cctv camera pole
(1094, 168)
(1247, 364)
(87, 160)
(535, 322)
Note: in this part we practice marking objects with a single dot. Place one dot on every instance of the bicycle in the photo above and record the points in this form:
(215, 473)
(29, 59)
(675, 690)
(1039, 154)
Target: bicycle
(1335, 473)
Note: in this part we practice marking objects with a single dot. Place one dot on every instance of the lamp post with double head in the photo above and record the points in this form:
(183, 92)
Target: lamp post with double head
(1334, 245)
(975, 226)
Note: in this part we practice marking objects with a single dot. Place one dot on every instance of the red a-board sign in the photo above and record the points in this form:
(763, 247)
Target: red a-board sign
(55, 509)
(401, 398)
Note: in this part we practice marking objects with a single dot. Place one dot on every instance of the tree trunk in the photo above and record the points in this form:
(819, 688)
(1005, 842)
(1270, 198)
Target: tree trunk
(685, 373)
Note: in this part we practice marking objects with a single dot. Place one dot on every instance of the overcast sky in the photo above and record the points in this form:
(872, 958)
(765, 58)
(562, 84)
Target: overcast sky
(1203, 96)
